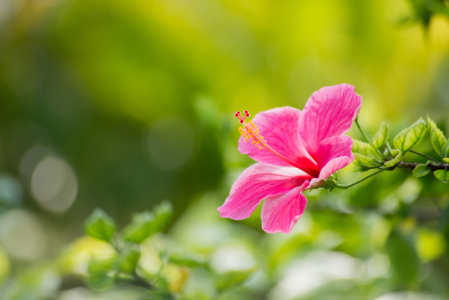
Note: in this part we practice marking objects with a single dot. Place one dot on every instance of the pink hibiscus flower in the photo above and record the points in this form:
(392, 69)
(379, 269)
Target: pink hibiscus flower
(295, 151)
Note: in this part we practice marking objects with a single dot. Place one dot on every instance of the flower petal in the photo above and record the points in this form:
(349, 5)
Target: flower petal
(280, 213)
(334, 153)
(256, 183)
(279, 128)
(329, 112)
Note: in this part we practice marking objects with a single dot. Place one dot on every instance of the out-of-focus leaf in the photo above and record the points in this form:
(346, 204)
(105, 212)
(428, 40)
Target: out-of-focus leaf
(100, 226)
(141, 227)
(100, 281)
(163, 212)
(158, 294)
(429, 244)
(365, 161)
(421, 170)
(397, 158)
(232, 279)
(446, 160)
(145, 224)
(186, 260)
(410, 136)
(437, 138)
(403, 258)
(196, 296)
(381, 136)
(365, 149)
(101, 266)
(128, 258)
(442, 175)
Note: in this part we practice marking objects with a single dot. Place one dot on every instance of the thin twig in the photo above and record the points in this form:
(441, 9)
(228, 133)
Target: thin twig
(340, 186)
(423, 155)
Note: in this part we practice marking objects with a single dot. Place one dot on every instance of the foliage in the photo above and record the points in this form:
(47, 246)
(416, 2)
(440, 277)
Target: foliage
(119, 105)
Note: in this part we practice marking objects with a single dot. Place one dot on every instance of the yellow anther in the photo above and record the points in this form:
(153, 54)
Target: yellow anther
(250, 132)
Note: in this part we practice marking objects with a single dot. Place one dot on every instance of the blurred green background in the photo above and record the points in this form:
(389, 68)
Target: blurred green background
(122, 104)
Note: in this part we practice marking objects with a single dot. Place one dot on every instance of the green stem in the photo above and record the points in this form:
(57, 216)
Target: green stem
(423, 155)
(367, 140)
(340, 186)
(389, 149)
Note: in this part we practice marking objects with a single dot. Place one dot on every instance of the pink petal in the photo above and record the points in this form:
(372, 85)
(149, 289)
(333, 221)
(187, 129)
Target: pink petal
(279, 127)
(256, 183)
(280, 213)
(334, 153)
(329, 112)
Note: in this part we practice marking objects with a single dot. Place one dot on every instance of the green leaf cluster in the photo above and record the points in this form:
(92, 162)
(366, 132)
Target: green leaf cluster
(104, 272)
(124, 265)
(373, 154)
(147, 223)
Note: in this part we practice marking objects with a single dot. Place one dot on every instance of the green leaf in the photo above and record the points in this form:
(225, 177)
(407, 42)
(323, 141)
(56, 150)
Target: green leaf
(159, 294)
(397, 158)
(403, 258)
(442, 175)
(129, 258)
(365, 161)
(145, 224)
(141, 227)
(98, 266)
(187, 260)
(163, 212)
(381, 136)
(232, 279)
(421, 170)
(100, 226)
(437, 138)
(100, 281)
(446, 160)
(365, 149)
(410, 136)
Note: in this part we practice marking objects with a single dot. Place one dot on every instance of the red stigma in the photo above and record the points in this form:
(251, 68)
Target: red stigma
(241, 118)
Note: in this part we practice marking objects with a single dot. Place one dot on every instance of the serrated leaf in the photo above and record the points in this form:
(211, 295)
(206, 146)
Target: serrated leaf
(381, 136)
(442, 175)
(100, 226)
(437, 138)
(365, 161)
(397, 158)
(410, 136)
(129, 258)
(365, 149)
(421, 170)
(232, 279)
(145, 224)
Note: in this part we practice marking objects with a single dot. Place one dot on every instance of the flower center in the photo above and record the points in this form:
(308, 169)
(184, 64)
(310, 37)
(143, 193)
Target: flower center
(250, 132)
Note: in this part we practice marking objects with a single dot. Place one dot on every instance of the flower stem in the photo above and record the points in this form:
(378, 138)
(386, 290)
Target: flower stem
(367, 140)
(341, 186)
(423, 155)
